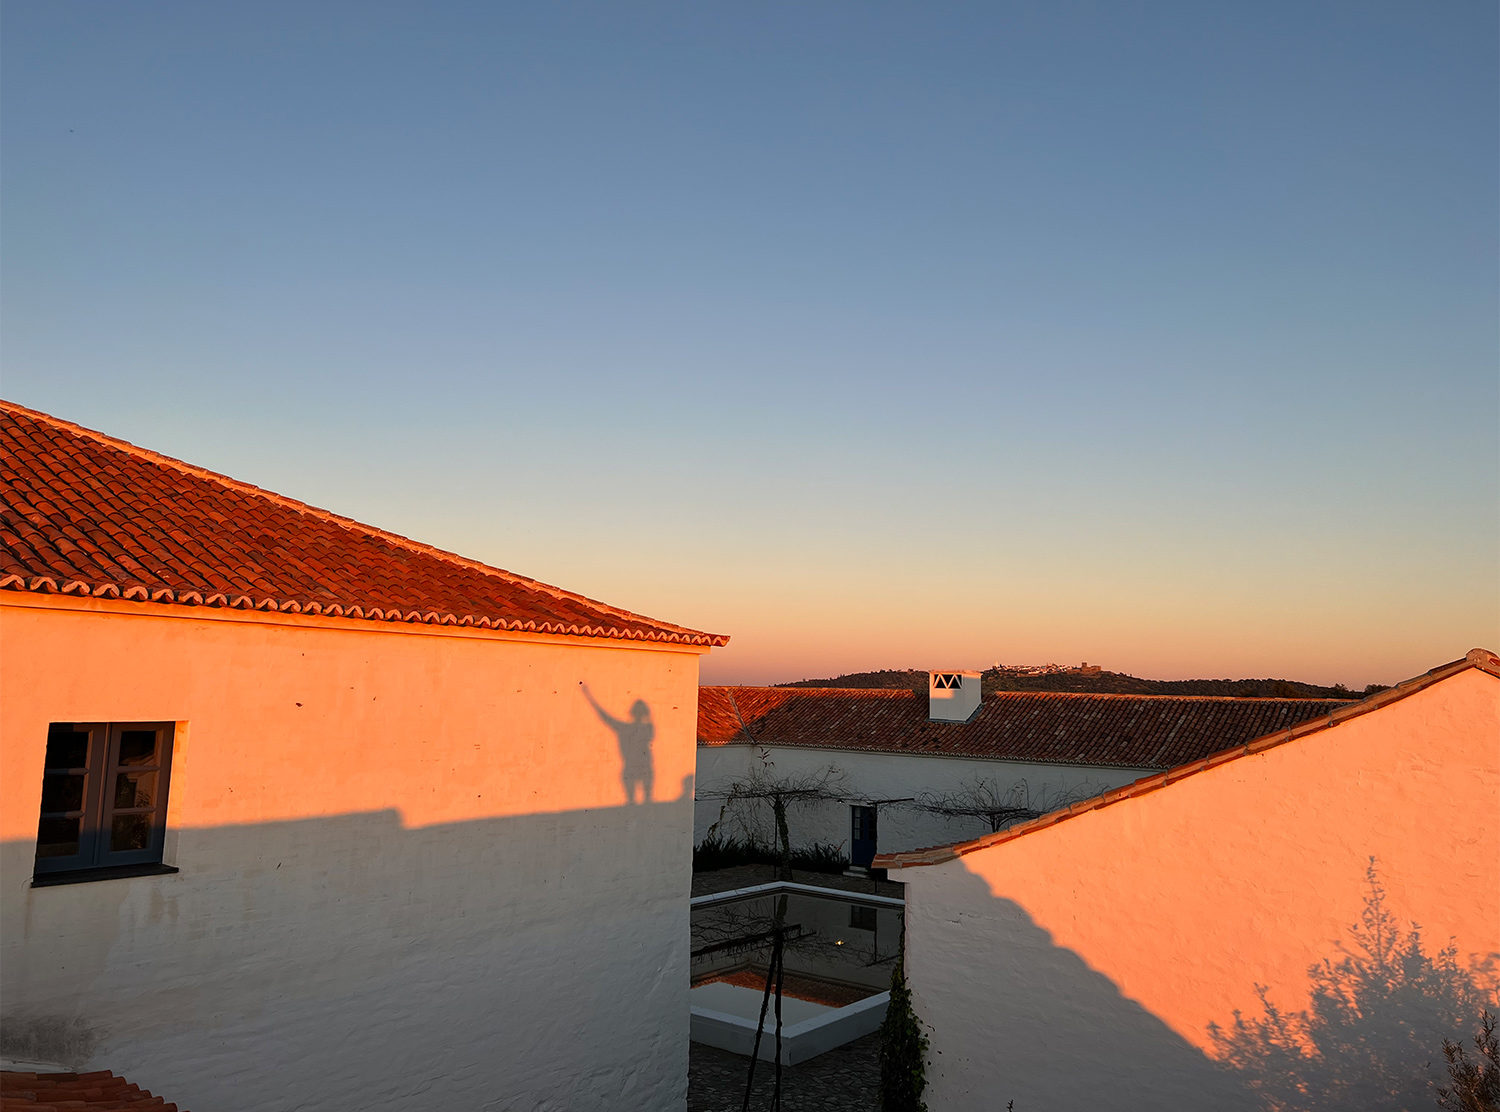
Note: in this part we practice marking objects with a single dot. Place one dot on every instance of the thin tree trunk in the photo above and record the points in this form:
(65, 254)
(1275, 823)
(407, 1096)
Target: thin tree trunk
(783, 837)
(780, 966)
(765, 1000)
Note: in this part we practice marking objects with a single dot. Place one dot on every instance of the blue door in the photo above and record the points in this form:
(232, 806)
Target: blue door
(861, 836)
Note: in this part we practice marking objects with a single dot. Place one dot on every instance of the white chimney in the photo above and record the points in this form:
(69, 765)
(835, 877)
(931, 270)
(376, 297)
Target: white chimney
(952, 696)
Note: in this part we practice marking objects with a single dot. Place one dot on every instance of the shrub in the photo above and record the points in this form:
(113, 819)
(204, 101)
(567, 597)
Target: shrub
(1476, 1083)
(903, 1051)
(719, 852)
(1363, 1041)
(822, 857)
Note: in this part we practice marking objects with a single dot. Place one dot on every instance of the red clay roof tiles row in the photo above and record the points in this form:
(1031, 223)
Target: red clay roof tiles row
(85, 514)
(100, 1091)
(1124, 731)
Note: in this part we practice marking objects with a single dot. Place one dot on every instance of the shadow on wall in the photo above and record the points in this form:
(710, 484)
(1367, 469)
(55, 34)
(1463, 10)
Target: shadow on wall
(538, 958)
(1371, 1037)
(634, 736)
(1015, 1017)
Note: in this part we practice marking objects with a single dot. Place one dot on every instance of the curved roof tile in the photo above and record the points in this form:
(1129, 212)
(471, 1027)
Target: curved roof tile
(1044, 727)
(82, 513)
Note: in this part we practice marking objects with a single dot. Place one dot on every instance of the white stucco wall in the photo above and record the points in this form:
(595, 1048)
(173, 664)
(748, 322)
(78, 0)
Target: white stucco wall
(408, 875)
(879, 776)
(1077, 967)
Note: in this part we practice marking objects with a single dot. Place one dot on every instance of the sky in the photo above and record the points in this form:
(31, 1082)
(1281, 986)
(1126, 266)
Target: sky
(1159, 336)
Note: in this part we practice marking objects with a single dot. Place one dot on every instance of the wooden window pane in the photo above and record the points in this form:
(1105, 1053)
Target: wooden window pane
(129, 832)
(67, 747)
(58, 837)
(135, 789)
(138, 747)
(62, 791)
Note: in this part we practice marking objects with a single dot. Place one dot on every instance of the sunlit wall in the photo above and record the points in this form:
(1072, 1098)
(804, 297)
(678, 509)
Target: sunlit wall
(1081, 966)
(416, 865)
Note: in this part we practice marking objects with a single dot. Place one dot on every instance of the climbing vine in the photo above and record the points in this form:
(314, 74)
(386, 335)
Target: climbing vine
(903, 1051)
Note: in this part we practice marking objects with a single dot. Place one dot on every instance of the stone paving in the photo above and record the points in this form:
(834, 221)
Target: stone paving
(845, 1079)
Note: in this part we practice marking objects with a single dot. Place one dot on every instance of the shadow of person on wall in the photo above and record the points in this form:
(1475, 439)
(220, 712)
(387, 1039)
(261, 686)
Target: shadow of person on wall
(635, 736)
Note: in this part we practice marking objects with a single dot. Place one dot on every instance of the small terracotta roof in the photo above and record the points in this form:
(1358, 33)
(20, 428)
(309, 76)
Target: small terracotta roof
(1045, 727)
(101, 1091)
(1482, 659)
(83, 513)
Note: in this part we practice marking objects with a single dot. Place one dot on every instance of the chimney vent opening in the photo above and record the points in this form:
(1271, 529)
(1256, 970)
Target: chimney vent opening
(952, 696)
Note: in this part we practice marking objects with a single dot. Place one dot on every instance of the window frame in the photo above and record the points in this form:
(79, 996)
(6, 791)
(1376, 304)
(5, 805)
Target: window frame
(99, 808)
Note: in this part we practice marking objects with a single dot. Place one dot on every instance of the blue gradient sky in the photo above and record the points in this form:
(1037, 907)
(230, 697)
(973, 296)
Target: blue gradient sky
(1163, 336)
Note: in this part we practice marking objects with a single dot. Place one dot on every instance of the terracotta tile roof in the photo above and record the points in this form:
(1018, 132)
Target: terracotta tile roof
(83, 513)
(1045, 727)
(84, 1092)
(1482, 659)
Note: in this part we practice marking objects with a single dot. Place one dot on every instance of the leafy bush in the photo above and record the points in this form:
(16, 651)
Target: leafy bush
(1365, 1040)
(719, 852)
(821, 857)
(1476, 1084)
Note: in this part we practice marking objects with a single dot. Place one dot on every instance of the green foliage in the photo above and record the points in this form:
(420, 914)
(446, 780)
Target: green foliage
(719, 852)
(1366, 1039)
(903, 1051)
(1476, 1082)
(820, 857)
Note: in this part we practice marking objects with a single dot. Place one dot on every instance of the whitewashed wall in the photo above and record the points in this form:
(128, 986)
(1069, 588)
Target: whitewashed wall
(880, 776)
(408, 875)
(1077, 967)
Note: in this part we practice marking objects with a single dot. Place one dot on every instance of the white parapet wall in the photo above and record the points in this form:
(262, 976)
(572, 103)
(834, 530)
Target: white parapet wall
(725, 1016)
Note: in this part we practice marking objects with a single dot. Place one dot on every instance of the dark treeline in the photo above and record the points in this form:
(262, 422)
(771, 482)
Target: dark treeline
(1099, 682)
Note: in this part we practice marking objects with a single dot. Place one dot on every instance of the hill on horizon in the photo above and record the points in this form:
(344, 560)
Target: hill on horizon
(1097, 682)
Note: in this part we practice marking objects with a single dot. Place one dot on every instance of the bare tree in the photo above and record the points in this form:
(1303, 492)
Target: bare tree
(1000, 806)
(780, 794)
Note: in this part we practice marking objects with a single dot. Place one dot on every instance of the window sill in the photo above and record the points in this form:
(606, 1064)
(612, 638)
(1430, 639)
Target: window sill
(110, 872)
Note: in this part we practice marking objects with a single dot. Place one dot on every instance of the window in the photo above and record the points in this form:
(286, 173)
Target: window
(861, 917)
(104, 800)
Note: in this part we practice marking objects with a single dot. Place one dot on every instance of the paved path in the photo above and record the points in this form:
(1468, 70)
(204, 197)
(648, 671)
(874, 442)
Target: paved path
(845, 1079)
